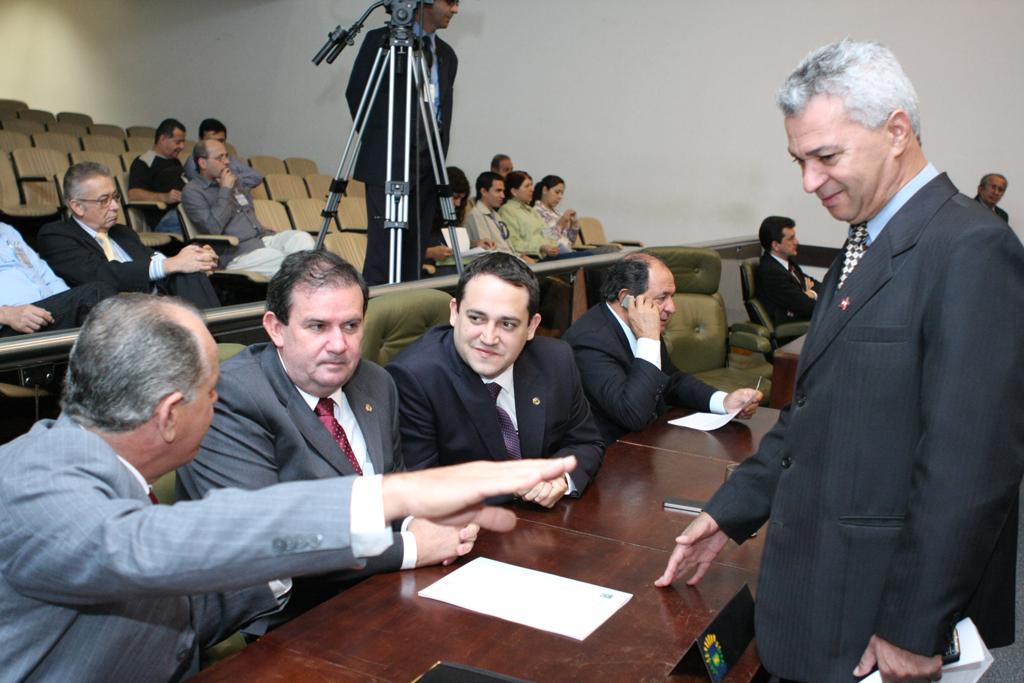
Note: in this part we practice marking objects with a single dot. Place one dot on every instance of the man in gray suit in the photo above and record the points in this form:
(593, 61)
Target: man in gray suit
(99, 584)
(269, 425)
(892, 479)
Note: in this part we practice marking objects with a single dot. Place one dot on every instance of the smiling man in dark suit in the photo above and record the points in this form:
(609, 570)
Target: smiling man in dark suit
(486, 388)
(307, 406)
(90, 246)
(892, 479)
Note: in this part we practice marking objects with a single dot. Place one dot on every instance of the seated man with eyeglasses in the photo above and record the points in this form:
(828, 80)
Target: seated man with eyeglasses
(91, 247)
(32, 297)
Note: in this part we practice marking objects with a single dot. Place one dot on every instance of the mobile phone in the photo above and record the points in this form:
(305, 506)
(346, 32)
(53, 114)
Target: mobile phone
(951, 653)
(627, 300)
(687, 505)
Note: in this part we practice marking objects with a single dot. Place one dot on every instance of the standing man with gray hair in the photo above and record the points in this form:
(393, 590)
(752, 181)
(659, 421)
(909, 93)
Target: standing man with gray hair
(97, 583)
(891, 481)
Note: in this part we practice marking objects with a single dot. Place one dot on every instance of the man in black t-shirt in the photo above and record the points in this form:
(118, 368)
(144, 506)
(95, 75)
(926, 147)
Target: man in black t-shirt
(158, 176)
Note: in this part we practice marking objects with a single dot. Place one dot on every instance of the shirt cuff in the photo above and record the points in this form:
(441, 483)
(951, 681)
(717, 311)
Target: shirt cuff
(156, 267)
(572, 487)
(717, 403)
(371, 536)
(281, 588)
(409, 552)
(649, 350)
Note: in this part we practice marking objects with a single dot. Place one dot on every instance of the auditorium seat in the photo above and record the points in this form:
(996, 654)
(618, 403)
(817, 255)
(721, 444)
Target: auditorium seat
(24, 126)
(36, 169)
(300, 166)
(135, 210)
(111, 161)
(127, 158)
(318, 185)
(138, 145)
(268, 165)
(305, 214)
(61, 142)
(356, 188)
(148, 132)
(74, 129)
(698, 335)
(592, 234)
(103, 143)
(395, 320)
(108, 129)
(14, 106)
(11, 140)
(350, 246)
(74, 118)
(283, 187)
(41, 115)
(272, 214)
(352, 214)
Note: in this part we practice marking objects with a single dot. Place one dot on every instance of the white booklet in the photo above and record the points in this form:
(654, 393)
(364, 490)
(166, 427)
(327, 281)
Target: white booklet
(525, 596)
(975, 659)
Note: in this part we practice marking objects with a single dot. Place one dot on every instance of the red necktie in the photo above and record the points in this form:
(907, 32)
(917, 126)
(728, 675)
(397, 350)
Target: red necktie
(508, 431)
(325, 411)
(152, 497)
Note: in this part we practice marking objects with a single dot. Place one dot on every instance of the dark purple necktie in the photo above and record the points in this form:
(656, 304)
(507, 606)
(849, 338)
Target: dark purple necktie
(325, 411)
(508, 430)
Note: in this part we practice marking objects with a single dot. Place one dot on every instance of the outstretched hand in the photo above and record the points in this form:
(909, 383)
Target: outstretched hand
(697, 546)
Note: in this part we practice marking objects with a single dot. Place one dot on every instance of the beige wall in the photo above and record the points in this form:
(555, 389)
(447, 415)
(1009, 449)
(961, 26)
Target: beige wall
(658, 113)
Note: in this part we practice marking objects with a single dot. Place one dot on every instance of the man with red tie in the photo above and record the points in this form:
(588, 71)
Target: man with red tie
(782, 287)
(306, 406)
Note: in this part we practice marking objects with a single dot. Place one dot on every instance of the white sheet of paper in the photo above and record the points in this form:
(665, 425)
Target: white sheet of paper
(975, 659)
(463, 236)
(525, 596)
(705, 422)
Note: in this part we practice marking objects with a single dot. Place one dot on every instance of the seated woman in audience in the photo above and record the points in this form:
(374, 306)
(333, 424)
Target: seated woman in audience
(437, 253)
(527, 230)
(562, 227)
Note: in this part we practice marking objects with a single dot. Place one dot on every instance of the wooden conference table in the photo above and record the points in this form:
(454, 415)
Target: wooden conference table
(617, 535)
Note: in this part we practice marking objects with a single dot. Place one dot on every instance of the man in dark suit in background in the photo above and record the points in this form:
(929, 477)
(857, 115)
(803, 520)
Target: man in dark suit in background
(485, 387)
(627, 374)
(782, 287)
(276, 400)
(991, 189)
(91, 247)
(371, 167)
(891, 481)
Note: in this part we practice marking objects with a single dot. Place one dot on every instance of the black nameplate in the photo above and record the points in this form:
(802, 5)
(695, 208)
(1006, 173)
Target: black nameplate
(722, 643)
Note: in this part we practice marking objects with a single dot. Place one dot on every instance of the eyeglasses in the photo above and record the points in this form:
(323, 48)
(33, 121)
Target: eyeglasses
(102, 200)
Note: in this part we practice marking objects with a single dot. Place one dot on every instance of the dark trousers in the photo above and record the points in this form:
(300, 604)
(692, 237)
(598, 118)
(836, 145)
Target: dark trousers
(414, 239)
(194, 287)
(69, 308)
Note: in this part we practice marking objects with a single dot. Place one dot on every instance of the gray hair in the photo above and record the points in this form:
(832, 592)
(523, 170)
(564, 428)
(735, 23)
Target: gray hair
(865, 76)
(78, 174)
(129, 356)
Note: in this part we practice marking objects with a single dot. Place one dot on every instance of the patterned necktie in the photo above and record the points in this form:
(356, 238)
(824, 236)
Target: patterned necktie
(855, 247)
(108, 248)
(325, 412)
(508, 430)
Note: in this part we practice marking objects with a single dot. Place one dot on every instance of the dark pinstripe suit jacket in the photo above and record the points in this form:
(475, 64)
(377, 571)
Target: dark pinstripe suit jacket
(892, 479)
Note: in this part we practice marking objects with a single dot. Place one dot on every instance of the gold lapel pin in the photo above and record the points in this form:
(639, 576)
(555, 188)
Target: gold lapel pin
(368, 407)
(536, 400)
